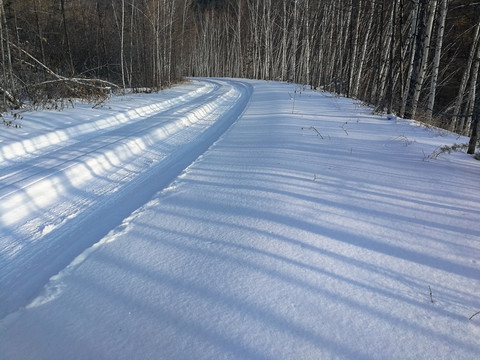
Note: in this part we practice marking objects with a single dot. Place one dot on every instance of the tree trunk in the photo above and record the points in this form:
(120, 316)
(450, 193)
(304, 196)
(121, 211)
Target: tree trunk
(239, 60)
(436, 60)
(476, 119)
(284, 42)
(39, 30)
(390, 84)
(420, 76)
(294, 42)
(352, 44)
(132, 21)
(9, 92)
(361, 61)
(412, 46)
(307, 45)
(455, 125)
(122, 52)
(67, 40)
(473, 89)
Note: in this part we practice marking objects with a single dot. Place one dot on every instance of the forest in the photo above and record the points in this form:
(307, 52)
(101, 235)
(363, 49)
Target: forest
(418, 59)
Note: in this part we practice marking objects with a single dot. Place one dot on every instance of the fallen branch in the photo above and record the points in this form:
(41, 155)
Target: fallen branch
(80, 81)
(45, 67)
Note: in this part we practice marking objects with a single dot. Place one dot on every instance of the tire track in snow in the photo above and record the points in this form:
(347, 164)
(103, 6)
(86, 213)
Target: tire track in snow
(93, 191)
(26, 173)
(44, 143)
(30, 151)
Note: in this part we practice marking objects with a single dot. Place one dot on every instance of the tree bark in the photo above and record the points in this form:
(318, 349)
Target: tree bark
(9, 92)
(122, 43)
(436, 60)
(420, 76)
(361, 61)
(284, 42)
(391, 80)
(463, 84)
(67, 40)
(473, 90)
(412, 46)
(476, 120)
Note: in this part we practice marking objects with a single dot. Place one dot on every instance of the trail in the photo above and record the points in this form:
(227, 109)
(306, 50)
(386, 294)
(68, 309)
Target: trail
(97, 175)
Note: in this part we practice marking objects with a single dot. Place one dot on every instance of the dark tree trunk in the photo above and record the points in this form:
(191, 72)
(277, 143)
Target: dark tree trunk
(476, 119)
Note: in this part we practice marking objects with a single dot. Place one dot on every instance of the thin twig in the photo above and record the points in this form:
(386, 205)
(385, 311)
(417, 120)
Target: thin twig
(431, 294)
(318, 133)
(470, 318)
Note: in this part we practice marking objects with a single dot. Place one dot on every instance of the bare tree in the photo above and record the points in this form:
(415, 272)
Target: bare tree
(67, 39)
(463, 84)
(8, 88)
(412, 46)
(424, 50)
(469, 109)
(436, 60)
(476, 121)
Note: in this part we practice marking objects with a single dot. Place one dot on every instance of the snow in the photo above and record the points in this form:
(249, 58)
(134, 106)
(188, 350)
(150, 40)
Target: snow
(242, 219)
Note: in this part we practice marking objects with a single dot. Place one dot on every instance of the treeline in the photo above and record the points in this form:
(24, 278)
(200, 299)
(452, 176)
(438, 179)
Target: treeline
(61, 48)
(415, 58)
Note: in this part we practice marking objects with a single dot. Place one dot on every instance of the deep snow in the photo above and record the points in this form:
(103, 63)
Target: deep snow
(236, 219)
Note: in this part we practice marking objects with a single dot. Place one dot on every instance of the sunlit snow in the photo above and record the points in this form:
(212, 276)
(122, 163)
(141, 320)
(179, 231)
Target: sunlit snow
(236, 219)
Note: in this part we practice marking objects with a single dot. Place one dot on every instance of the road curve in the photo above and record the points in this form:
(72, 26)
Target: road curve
(61, 197)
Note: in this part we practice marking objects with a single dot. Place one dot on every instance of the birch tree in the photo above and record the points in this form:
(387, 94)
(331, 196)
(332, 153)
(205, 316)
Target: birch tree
(294, 40)
(436, 60)
(122, 52)
(463, 84)
(391, 81)
(476, 120)
(422, 67)
(67, 38)
(412, 50)
(363, 52)
(8, 86)
(284, 41)
(472, 90)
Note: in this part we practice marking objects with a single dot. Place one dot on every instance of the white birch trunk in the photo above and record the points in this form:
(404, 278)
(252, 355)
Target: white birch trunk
(363, 52)
(130, 73)
(170, 40)
(472, 89)
(294, 42)
(463, 84)
(387, 58)
(307, 44)
(122, 51)
(423, 64)
(411, 47)
(239, 68)
(284, 42)
(436, 60)
(354, 46)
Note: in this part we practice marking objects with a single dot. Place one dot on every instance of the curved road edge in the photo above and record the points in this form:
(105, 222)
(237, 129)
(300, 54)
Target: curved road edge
(27, 279)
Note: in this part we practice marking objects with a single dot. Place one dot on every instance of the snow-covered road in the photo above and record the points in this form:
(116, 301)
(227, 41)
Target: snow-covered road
(236, 219)
(62, 189)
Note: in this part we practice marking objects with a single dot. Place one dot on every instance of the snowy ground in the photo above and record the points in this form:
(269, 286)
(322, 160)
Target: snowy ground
(238, 219)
